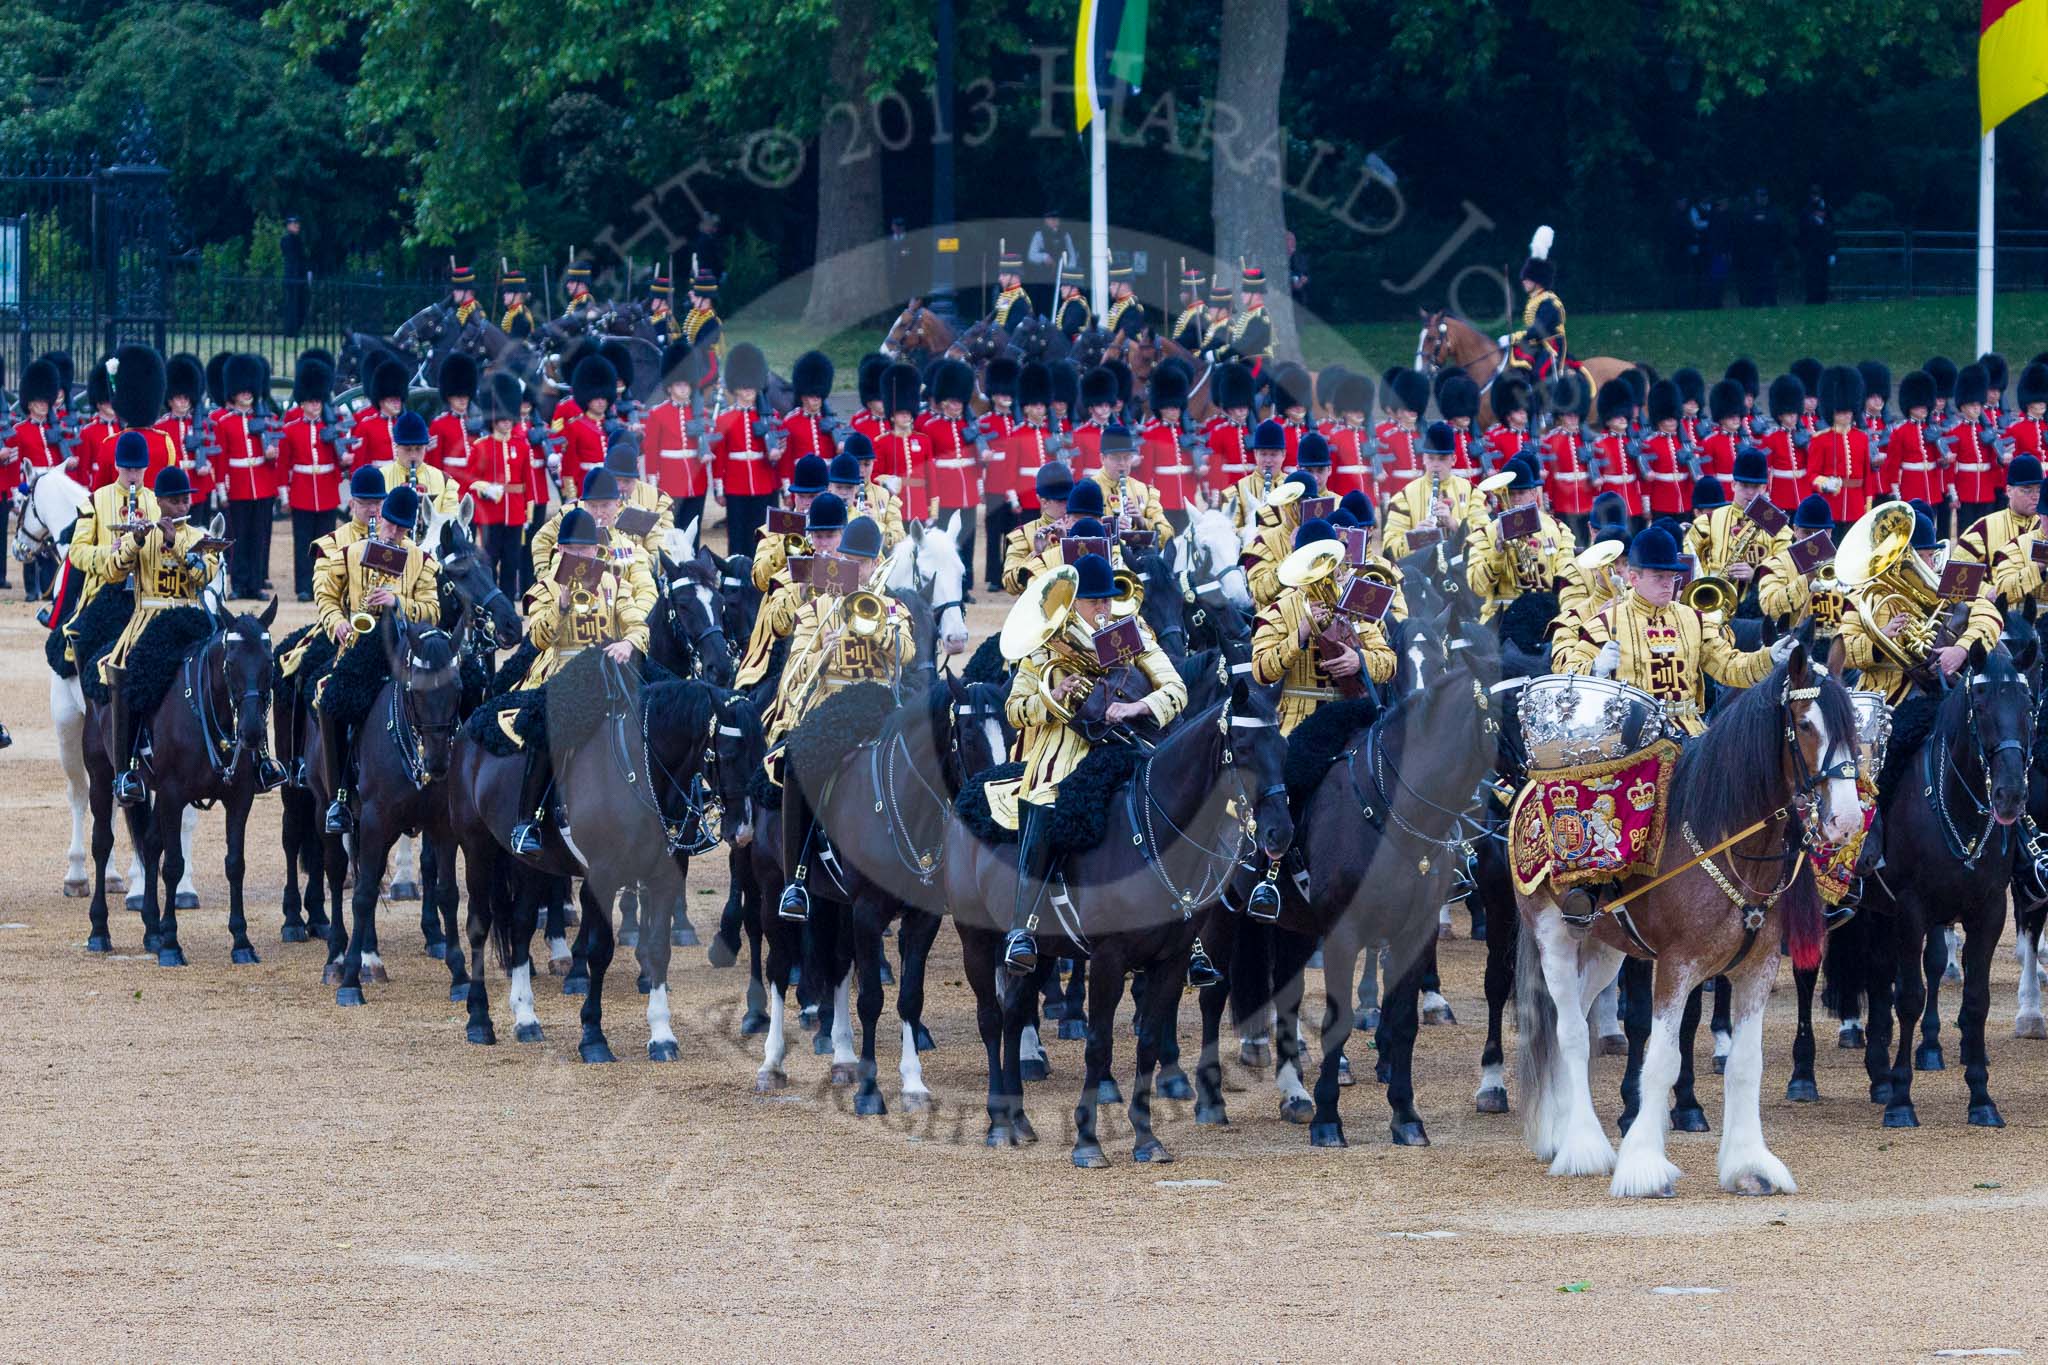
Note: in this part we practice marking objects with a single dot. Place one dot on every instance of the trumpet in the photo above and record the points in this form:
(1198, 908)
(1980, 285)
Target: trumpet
(863, 613)
(1129, 597)
(1712, 596)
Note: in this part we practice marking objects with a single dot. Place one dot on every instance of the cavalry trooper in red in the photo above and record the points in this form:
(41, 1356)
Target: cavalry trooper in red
(1351, 438)
(1163, 447)
(1405, 395)
(902, 453)
(742, 475)
(311, 467)
(1616, 467)
(1784, 443)
(870, 421)
(998, 477)
(1013, 303)
(1913, 468)
(670, 437)
(952, 434)
(370, 437)
(1228, 433)
(1510, 435)
(1724, 409)
(2029, 430)
(452, 429)
(1838, 458)
(499, 462)
(1977, 474)
(239, 433)
(1567, 478)
(517, 321)
(1099, 398)
(583, 436)
(1664, 455)
(808, 428)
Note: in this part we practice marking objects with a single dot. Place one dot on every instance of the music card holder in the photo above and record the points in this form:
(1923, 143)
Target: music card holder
(1317, 507)
(1357, 544)
(212, 545)
(800, 569)
(1689, 568)
(1073, 547)
(636, 522)
(580, 571)
(783, 522)
(1769, 517)
(1366, 600)
(2037, 550)
(1519, 523)
(1961, 580)
(1424, 536)
(1119, 645)
(382, 557)
(837, 577)
(1809, 554)
(1138, 540)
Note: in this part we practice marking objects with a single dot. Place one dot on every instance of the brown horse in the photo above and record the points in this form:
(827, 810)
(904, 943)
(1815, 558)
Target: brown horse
(918, 335)
(1776, 768)
(1447, 340)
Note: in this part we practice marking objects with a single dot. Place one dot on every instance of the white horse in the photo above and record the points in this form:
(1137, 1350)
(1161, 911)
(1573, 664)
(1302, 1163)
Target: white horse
(1208, 552)
(927, 562)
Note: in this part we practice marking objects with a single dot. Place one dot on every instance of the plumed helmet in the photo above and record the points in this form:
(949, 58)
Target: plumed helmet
(811, 377)
(139, 383)
(458, 377)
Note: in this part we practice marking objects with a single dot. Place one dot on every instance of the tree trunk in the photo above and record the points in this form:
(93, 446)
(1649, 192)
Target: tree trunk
(847, 280)
(1248, 158)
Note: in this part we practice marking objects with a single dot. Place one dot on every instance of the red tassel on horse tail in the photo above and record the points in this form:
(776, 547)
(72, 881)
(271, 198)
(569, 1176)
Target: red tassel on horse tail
(1806, 931)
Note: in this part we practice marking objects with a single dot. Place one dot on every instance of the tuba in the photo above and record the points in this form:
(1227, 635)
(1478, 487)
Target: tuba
(1130, 593)
(1879, 572)
(1712, 596)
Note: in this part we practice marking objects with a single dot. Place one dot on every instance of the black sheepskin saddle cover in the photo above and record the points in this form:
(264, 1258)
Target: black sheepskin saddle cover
(1319, 741)
(559, 715)
(165, 643)
(988, 664)
(1526, 621)
(1080, 817)
(96, 628)
(1912, 722)
(357, 676)
(835, 729)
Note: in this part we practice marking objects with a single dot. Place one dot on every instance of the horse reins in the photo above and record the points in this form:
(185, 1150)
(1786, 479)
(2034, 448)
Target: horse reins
(215, 738)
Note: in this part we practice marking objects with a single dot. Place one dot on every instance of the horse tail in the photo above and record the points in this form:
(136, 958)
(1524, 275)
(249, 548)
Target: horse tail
(1536, 1040)
(1806, 930)
(503, 922)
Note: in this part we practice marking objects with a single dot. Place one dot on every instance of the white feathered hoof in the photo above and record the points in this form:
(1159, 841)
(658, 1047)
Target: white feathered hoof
(2030, 1026)
(1645, 1177)
(1584, 1151)
(768, 1082)
(78, 888)
(1764, 1174)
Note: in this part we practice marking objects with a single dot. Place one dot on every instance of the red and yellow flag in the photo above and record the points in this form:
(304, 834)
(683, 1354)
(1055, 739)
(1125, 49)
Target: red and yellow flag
(2012, 58)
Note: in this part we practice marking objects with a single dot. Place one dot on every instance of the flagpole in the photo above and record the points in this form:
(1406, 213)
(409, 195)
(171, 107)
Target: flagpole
(1987, 266)
(1098, 213)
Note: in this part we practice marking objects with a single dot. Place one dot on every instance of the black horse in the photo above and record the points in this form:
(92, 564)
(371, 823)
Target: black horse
(207, 740)
(1949, 837)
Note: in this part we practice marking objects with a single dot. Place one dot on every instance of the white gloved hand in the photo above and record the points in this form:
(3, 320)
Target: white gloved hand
(1501, 341)
(1607, 660)
(1781, 648)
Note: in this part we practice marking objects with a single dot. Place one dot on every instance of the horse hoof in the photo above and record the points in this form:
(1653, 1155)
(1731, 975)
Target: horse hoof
(629, 938)
(753, 1023)
(1054, 1009)
(1175, 1085)
(808, 1015)
(529, 1033)
(921, 1038)
(768, 1082)
(998, 1136)
(1752, 1184)
(1107, 1093)
(293, 933)
(868, 1103)
(99, 943)
(152, 941)
(595, 1051)
(1152, 1150)
(348, 995)
(185, 900)
(916, 1101)
(172, 956)
(317, 929)
(1850, 1037)
(483, 1035)
(1089, 1157)
(77, 890)
(1383, 1071)
(1927, 1057)
(560, 966)
(1720, 1066)
(405, 891)
(682, 936)
(1439, 1014)
(244, 957)
(1900, 1116)
(664, 1051)
(821, 1045)
(572, 917)
(721, 953)
(2030, 1026)
(888, 973)
(1326, 1135)
(1614, 1045)
(1802, 1091)
(1034, 1069)
(1986, 1115)
(1951, 974)
(437, 949)
(1410, 1133)
(1026, 1135)
(1479, 931)
(376, 973)
(1691, 1119)
(845, 1073)
(1212, 1115)
(1250, 1053)
(1366, 1020)
(1073, 1031)
(1492, 1100)
(644, 984)
(1344, 1076)
(330, 975)
(1880, 1092)
(1297, 1109)
(458, 993)
(576, 985)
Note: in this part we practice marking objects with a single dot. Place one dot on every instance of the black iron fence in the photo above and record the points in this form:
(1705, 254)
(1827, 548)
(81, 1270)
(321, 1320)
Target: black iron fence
(1901, 263)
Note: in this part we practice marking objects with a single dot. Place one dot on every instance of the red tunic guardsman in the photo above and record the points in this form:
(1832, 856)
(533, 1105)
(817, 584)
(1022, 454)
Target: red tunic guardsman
(1913, 467)
(1351, 438)
(1725, 410)
(1163, 455)
(807, 428)
(1405, 395)
(1229, 432)
(1665, 456)
(1027, 445)
(450, 451)
(870, 421)
(742, 473)
(310, 467)
(501, 464)
(1567, 477)
(1784, 444)
(1838, 458)
(2029, 431)
(370, 439)
(950, 434)
(1617, 469)
(1510, 436)
(1457, 398)
(901, 453)
(583, 439)
(1099, 399)
(1977, 474)
(676, 460)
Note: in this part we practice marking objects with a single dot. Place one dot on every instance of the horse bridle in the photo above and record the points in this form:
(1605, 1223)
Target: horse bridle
(404, 723)
(1939, 762)
(217, 739)
(702, 812)
(1218, 863)
(714, 631)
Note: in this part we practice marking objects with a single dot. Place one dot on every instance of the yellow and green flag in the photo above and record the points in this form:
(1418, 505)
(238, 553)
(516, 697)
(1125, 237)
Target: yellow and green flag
(2012, 58)
(1109, 52)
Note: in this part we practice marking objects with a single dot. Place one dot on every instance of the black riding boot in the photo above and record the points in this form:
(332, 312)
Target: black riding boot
(128, 788)
(334, 745)
(796, 849)
(534, 806)
(1037, 860)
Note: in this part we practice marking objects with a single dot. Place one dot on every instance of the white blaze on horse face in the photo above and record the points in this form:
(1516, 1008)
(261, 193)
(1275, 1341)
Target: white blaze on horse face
(1844, 813)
